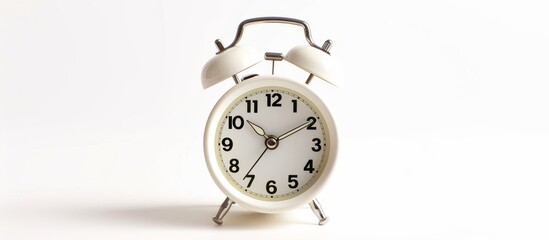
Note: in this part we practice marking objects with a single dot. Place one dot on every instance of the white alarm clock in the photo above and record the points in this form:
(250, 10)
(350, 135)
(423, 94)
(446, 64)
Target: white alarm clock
(270, 143)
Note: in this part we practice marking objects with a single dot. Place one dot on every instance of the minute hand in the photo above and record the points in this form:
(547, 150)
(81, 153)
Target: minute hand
(297, 129)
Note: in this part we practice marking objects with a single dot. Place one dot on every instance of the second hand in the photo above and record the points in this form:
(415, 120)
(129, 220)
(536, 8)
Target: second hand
(264, 151)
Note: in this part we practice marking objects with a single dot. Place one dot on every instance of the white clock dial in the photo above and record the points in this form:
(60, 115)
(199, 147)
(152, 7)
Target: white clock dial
(272, 143)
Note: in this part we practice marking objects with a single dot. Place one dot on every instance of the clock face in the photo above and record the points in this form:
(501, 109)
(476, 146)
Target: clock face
(272, 143)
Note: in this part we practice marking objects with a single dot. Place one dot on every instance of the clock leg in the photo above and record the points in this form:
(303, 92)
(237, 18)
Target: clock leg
(319, 212)
(223, 210)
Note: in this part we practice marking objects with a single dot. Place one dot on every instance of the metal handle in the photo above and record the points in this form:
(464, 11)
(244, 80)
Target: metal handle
(284, 20)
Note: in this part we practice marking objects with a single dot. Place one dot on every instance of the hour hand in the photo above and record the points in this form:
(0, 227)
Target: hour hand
(257, 129)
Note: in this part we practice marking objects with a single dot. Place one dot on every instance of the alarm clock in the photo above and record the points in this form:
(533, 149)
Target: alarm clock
(270, 142)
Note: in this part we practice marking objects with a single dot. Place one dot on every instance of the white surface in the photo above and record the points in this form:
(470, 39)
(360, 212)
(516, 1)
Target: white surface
(102, 113)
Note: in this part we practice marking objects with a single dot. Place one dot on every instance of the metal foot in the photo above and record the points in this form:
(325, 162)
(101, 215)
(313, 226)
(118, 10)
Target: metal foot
(319, 212)
(223, 210)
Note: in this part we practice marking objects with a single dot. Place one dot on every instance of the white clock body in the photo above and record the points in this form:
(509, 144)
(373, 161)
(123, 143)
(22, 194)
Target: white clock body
(270, 144)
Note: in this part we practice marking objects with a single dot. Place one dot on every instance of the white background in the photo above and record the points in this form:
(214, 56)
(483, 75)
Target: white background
(443, 118)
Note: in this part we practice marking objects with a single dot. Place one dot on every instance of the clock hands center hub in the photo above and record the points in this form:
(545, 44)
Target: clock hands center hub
(271, 142)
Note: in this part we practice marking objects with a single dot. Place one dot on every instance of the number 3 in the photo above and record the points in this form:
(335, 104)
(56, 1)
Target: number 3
(317, 146)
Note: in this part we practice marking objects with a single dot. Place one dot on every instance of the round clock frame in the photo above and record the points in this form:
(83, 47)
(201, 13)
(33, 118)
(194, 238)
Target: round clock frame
(213, 158)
